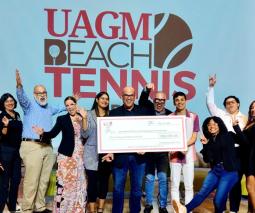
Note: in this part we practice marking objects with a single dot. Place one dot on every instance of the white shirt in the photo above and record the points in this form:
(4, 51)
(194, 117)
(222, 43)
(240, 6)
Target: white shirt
(225, 116)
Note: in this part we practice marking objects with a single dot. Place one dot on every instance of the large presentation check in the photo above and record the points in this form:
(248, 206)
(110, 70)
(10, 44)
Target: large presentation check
(141, 134)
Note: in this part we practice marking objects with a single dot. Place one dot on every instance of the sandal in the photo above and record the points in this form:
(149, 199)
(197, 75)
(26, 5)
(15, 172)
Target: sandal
(100, 210)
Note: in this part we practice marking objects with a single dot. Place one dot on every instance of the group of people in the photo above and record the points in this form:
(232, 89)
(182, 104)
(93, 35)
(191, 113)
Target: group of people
(83, 174)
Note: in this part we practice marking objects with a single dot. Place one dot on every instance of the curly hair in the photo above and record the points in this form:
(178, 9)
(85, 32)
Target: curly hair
(222, 127)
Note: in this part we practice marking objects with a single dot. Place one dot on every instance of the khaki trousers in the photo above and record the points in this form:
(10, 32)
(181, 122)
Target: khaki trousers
(38, 160)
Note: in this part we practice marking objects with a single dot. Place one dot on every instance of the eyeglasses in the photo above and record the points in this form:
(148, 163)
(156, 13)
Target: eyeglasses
(230, 102)
(159, 100)
(41, 93)
(128, 95)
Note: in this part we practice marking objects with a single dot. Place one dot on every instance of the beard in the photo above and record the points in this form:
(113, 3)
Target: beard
(41, 101)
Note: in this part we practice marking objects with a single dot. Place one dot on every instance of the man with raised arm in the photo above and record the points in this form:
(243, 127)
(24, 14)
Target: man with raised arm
(155, 160)
(37, 155)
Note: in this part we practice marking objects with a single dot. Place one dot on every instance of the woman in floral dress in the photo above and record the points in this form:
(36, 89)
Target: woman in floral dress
(71, 182)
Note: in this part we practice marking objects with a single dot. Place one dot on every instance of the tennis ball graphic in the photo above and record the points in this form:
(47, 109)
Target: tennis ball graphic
(172, 41)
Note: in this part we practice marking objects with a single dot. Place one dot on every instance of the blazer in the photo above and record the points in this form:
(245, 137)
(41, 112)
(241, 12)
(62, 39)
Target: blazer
(224, 145)
(90, 148)
(64, 125)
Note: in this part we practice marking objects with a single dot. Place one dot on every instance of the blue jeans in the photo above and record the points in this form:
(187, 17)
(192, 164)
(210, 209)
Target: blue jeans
(136, 173)
(160, 162)
(149, 188)
(216, 178)
(10, 177)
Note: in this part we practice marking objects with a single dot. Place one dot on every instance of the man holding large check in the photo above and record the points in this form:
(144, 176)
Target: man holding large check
(132, 160)
(141, 134)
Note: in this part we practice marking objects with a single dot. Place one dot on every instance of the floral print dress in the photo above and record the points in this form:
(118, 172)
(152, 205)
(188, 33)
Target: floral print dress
(71, 182)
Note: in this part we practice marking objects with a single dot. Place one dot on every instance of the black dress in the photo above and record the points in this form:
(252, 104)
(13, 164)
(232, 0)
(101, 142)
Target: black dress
(250, 134)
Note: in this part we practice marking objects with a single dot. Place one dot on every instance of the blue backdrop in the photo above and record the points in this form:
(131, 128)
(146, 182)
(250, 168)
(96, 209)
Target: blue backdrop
(106, 45)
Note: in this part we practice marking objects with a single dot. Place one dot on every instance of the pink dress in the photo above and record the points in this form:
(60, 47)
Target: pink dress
(71, 182)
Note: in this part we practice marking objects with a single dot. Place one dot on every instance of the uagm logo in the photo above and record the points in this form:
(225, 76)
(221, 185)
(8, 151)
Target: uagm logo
(172, 42)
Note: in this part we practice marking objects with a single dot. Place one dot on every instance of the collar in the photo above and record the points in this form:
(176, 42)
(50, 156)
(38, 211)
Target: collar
(133, 109)
(187, 113)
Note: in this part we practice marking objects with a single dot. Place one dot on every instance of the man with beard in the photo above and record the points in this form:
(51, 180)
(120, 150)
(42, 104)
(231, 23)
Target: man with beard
(155, 160)
(37, 155)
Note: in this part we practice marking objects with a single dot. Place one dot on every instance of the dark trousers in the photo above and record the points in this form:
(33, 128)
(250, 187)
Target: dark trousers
(10, 177)
(236, 192)
(98, 181)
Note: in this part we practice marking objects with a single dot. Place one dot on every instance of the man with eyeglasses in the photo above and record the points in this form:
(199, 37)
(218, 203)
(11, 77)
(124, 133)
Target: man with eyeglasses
(37, 155)
(158, 160)
(231, 104)
(132, 162)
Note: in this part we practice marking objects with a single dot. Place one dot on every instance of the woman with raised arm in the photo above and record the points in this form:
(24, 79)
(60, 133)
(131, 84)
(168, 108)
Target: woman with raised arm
(71, 182)
(219, 151)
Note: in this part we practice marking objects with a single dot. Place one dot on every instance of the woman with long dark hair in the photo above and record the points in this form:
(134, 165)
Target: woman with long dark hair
(71, 182)
(97, 172)
(249, 131)
(10, 161)
(218, 150)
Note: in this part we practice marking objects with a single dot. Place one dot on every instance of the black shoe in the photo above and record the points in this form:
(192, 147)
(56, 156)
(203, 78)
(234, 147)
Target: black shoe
(163, 210)
(147, 208)
(44, 211)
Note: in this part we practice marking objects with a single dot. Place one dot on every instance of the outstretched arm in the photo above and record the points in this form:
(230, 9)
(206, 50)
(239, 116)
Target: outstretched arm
(212, 107)
(21, 95)
(144, 97)
(53, 132)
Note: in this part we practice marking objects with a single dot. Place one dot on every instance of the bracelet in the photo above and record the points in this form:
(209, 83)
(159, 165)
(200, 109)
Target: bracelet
(5, 126)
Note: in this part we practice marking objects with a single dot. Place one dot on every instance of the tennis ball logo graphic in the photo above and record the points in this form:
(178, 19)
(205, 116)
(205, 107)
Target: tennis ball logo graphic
(172, 41)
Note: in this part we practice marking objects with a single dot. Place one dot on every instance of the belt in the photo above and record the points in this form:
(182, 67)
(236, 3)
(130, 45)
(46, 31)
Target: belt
(31, 139)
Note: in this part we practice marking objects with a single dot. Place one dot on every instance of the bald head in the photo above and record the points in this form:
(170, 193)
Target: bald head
(128, 97)
(159, 101)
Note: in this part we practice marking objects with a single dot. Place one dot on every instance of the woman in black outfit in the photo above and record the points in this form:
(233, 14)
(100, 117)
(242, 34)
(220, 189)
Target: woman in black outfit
(249, 131)
(10, 140)
(218, 150)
